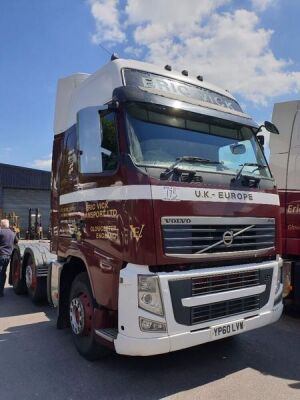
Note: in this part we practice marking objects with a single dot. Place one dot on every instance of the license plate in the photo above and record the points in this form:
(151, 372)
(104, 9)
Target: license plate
(219, 331)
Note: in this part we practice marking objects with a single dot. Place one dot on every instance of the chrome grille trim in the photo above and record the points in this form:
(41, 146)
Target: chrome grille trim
(198, 237)
(218, 220)
(223, 282)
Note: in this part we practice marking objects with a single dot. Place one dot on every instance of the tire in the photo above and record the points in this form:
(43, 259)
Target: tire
(17, 278)
(81, 313)
(36, 286)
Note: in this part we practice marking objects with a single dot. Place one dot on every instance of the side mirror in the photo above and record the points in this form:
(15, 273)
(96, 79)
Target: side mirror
(271, 127)
(89, 133)
(261, 140)
(238, 148)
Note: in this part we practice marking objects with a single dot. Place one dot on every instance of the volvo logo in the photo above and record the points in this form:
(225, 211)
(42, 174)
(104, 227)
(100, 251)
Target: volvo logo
(228, 238)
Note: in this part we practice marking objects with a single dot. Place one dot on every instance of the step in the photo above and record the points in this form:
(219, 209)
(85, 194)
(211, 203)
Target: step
(109, 334)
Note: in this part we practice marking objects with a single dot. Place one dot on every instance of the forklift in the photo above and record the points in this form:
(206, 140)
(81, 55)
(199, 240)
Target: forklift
(35, 229)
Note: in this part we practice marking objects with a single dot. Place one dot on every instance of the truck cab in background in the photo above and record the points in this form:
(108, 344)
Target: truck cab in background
(165, 216)
(285, 165)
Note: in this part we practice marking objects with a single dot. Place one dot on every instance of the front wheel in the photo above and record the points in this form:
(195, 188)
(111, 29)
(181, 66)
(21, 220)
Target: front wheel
(81, 312)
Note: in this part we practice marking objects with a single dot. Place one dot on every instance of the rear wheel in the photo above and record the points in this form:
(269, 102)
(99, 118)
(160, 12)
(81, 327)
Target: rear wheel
(81, 312)
(36, 286)
(17, 280)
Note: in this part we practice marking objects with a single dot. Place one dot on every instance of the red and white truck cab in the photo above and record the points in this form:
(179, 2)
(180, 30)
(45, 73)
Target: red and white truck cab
(285, 163)
(165, 215)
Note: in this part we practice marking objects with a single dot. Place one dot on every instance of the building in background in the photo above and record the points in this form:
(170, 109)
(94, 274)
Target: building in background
(23, 188)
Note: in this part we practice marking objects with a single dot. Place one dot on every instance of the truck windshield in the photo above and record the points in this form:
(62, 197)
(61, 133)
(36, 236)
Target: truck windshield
(160, 135)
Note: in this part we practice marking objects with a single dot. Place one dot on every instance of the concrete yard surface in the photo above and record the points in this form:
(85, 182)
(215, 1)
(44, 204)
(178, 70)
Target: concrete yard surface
(37, 361)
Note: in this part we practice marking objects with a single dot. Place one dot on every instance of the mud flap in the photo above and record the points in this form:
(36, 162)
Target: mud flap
(63, 306)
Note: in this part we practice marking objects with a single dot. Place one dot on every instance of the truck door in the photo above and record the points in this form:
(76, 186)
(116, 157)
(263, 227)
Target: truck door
(100, 219)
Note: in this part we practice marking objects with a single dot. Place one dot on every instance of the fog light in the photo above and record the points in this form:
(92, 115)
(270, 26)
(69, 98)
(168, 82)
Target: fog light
(147, 325)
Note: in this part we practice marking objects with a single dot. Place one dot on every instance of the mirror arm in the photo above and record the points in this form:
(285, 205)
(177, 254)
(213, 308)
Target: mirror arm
(113, 105)
(259, 129)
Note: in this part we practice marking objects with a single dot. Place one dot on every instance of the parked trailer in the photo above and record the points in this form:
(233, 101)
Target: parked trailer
(165, 216)
(285, 164)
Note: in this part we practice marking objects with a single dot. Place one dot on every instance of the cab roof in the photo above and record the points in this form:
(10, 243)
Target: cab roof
(82, 90)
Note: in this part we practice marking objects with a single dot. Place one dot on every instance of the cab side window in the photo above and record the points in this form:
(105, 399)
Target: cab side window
(97, 137)
(69, 162)
(109, 144)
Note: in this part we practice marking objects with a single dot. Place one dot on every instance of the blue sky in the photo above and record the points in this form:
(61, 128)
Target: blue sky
(249, 47)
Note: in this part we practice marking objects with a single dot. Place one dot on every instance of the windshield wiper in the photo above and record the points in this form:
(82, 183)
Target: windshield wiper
(188, 159)
(240, 172)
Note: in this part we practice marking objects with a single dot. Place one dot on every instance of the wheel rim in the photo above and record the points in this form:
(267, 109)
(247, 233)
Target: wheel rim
(30, 277)
(81, 315)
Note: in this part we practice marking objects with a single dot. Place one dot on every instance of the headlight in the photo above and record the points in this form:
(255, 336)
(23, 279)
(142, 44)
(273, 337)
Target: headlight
(149, 294)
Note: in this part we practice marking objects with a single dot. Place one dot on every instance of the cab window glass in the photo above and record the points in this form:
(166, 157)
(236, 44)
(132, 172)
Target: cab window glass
(109, 143)
(69, 171)
(235, 160)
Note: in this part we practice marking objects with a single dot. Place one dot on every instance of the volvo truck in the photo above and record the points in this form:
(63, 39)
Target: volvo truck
(164, 213)
(285, 164)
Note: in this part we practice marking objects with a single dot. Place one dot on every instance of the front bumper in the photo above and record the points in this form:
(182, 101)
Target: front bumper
(148, 347)
(130, 339)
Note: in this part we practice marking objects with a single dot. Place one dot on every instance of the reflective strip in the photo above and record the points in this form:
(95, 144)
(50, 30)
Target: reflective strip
(173, 193)
(110, 193)
(168, 193)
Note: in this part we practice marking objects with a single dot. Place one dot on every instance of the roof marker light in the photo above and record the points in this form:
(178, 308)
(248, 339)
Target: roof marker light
(200, 78)
(185, 72)
(168, 67)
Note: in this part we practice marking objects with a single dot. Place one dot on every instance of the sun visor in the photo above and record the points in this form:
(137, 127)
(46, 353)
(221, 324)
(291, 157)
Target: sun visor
(146, 95)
